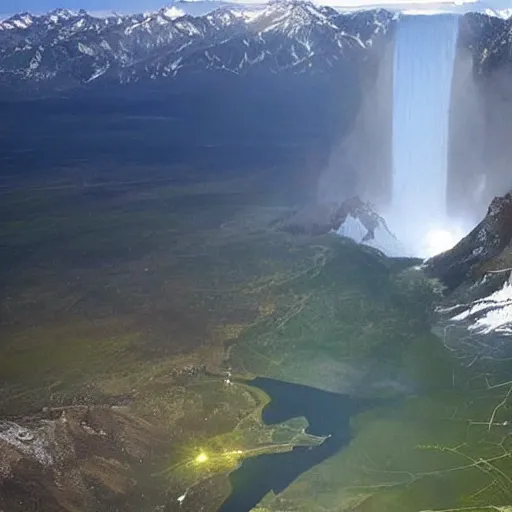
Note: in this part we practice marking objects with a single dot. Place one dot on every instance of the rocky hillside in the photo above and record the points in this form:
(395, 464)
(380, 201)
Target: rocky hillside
(490, 40)
(483, 250)
(477, 309)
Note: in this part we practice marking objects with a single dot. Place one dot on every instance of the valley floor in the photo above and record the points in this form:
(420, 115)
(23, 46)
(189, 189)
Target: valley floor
(135, 304)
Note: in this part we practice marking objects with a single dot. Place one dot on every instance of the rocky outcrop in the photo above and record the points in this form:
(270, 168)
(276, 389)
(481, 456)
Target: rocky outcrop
(485, 249)
(320, 219)
(354, 219)
(364, 213)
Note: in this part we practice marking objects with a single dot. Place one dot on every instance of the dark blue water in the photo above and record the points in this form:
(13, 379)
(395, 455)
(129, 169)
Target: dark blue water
(328, 414)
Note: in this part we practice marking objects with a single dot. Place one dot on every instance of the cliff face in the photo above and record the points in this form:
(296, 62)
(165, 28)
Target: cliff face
(481, 116)
(485, 249)
(352, 168)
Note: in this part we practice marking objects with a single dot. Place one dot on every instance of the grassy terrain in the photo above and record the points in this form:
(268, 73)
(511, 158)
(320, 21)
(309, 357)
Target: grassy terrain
(123, 291)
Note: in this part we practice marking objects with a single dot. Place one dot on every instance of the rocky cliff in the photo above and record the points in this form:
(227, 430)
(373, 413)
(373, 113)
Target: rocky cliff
(487, 248)
(480, 115)
(475, 316)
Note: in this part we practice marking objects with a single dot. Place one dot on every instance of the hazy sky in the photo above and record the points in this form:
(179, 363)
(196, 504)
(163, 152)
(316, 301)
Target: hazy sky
(13, 6)
(96, 5)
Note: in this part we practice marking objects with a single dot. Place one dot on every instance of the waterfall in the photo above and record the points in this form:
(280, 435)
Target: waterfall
(425, 50)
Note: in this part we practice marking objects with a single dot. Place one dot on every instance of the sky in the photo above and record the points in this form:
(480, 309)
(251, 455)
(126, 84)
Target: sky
(38, 6)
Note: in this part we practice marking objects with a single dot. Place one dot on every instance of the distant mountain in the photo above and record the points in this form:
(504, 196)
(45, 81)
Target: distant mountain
(64, 49)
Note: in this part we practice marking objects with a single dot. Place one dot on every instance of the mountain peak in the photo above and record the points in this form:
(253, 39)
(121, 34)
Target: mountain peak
(172, 11)
(21, 21)
(61, 14)
(291, 16)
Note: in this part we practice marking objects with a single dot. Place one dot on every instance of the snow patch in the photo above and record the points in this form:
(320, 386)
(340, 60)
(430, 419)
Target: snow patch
(19, 24)
(357, 39)
(226, 18)
(85, 49)
(99, 72)
(29, 442)
(383, 240)
(35, 62)
(104, 44)
(250, 15)
(492, 313)
(500, 13)
(187, 27)
(176, 64)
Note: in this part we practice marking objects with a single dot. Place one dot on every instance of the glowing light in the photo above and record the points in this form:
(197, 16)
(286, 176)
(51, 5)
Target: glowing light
(439, 240)
(202, 458)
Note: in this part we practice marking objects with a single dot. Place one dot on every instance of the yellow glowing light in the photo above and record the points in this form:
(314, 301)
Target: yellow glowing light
(201, 458)
(234, 452)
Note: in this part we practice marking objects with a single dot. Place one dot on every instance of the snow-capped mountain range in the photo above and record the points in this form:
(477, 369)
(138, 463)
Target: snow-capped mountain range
(65, 49)
(62, 49)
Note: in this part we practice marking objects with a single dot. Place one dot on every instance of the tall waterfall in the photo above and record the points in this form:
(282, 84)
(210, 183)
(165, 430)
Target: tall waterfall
(423, 68)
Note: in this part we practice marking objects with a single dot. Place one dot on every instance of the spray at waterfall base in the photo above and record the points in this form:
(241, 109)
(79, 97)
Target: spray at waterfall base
(403, 235)
(425, 236)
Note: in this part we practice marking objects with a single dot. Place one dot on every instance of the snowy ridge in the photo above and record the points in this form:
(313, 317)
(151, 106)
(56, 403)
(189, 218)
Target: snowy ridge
(501, 13)
(436, 7)
(64, 49)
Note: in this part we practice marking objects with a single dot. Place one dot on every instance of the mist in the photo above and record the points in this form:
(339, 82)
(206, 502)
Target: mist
(360, 165)
(480, 125)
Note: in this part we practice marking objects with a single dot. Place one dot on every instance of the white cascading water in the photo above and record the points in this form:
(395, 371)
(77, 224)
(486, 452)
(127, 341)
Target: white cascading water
(425, 50)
